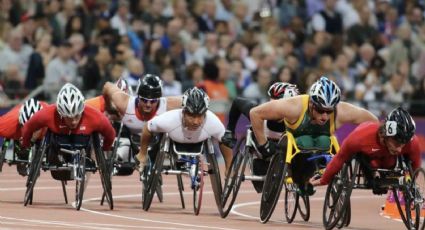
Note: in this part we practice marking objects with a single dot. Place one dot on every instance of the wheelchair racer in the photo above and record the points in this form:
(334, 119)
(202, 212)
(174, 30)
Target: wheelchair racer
(311, 118)
(70, 120)
(11, 128)
(380, 144)
(193, 123)
(273, 129)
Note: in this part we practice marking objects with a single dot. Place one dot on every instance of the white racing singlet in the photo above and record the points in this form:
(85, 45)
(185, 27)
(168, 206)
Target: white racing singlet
(132, 122)
(171, 122)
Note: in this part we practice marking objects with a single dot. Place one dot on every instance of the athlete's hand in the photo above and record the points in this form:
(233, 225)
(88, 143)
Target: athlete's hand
(267, 150)
(315, 182)
(229, 139)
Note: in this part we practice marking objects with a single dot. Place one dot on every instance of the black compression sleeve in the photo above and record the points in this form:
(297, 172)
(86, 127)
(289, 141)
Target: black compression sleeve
(239, 105)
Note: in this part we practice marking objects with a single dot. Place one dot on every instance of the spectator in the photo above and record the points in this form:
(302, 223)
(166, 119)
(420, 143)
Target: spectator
(328, 19)
(344, 76)
(194, 76)
(258, 90)
(96, 72)
(363, 31)
(121, 20)
(170, 87)
(395, 90)
(417, 107)
(134, 72)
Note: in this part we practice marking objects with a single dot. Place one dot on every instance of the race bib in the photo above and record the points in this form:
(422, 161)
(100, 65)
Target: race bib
(391, 128)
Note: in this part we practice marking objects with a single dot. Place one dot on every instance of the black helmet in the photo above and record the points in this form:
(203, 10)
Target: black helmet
(195, 101)
(399, 125)
(150, 87)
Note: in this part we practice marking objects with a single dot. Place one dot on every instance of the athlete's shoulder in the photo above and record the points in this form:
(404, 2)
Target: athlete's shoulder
(368, 126)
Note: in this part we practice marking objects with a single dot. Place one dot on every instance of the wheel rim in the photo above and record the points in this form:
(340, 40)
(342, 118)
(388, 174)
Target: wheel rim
(291, 202)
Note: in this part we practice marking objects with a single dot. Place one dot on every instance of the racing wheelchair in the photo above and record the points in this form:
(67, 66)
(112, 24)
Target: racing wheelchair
(285, 171)
(183, 159)
(357, 174)
(246, 155)
(67, 157)
(20, 156)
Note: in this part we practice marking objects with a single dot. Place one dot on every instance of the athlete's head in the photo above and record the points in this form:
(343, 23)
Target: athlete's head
(149, 92)
(282, 90)
(28, 109)
(195, 105)
(398, 129)
(324, 97)
(70, 105)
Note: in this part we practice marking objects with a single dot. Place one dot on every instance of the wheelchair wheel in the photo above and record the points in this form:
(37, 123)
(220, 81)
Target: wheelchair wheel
(346, 219)
(234, 177)
(336, 198)
(152, 177)
(173, 163)
(273, 184)
(198, 186)
(80, 179)
(105, 175)
(304, 207)
(214, 173)
(34, 173)
(4, 148)
(291, 201)
(419, 187)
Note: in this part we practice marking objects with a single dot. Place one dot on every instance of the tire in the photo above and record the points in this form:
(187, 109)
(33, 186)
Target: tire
(232, 185)
(152, 177)
(198, 186)
(80, 180)
(214, 173)
(105, 175)
(4, 148)
(34, 172)
(304, 207)
(291, 202)
(273, 184)
(419, 183)
(337, 196)
(180, 186)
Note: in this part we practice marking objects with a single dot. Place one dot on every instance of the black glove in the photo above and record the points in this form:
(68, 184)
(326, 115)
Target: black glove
(229, 139)
(267, 150)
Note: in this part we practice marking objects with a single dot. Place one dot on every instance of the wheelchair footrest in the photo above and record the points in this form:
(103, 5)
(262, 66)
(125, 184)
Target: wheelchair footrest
(254, 178)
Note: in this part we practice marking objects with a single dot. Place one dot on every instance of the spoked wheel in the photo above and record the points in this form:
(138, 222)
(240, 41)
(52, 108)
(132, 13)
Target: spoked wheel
(4, 148)
(214, 173)
(173, 162)
(80, 179)
(34, 173)
(337, 197)
(346, 219)
(152, 177)
(272, 186)
(198, 185)
(105, 174)
(419, 183)
(234, 177)
(304, 207)
(291, 201)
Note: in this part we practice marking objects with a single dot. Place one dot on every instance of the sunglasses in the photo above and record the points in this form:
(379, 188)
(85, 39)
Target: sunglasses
(322, 111)
(149, 100)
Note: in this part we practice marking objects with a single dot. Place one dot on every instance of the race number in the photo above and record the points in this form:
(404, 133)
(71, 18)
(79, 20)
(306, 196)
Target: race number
(391, 128)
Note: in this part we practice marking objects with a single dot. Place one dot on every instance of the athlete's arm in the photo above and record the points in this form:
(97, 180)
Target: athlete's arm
(144, 141)
(239, 106)
(174, 102)
(107, 131)
(348, 149)
(288, 108)
(348, 113)
(114, 95)
(414, 153)
(9, 123)
(36, 122)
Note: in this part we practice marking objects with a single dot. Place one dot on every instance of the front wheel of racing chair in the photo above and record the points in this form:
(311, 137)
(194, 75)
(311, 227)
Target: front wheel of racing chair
(34, 169)
(411, 196)
(304, 207)
(152, 173)
(214, 173)
(105, 174)
(291, 201)
(80, 178)
(198, 183)
(173, 164)
(337, 197)
(234, 177)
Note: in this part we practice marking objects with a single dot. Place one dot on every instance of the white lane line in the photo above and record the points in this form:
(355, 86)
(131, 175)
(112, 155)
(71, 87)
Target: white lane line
(149, 220)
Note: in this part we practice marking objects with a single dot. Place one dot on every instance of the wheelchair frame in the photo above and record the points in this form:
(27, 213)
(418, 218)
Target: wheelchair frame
(14, 161)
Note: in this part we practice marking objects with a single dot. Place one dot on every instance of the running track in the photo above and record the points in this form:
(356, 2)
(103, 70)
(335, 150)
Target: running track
(49, 210)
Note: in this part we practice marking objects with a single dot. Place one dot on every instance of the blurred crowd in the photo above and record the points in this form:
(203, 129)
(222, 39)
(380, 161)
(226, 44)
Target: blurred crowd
(373, 49)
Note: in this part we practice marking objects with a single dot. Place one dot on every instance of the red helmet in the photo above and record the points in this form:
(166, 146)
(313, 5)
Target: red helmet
(282, 90)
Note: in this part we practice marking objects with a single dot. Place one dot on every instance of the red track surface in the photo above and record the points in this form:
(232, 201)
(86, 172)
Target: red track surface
(49, 210)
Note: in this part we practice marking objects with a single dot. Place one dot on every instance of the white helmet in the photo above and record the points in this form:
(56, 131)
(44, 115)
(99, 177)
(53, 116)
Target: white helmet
(70, 101)
(325, 94)
(28, 109)
(282, 90)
